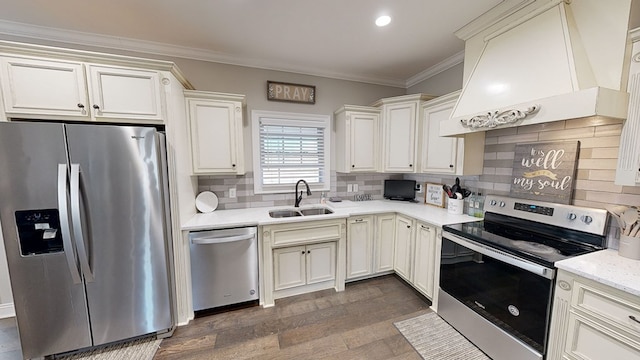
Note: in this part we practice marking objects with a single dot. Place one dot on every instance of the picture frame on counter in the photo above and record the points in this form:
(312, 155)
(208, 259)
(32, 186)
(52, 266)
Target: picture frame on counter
(289, 92)
(433, 194)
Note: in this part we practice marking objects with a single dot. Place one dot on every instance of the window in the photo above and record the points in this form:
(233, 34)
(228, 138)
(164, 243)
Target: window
(288, 147)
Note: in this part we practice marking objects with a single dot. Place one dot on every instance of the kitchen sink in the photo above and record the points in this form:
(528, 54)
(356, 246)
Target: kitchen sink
(284, 213)
(316, 211)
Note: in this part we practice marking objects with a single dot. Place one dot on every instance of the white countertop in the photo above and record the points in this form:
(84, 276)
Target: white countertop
(260, 216)
(606, 267)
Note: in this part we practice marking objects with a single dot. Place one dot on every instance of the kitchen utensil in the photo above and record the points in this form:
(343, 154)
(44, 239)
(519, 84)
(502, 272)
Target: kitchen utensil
(635, 232)
(206, 202)
(616, 211)
(629, 217)
(456, 187)
(447, 190)
(458, 196)
(465, 193)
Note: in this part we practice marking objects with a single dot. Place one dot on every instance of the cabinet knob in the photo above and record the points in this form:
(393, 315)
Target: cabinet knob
(451, 166)
(233, 165)
(96, 107)
(81, 106)
(410, 165)
(303, 252)
(353, 166)
(408, 226)
(308, 251)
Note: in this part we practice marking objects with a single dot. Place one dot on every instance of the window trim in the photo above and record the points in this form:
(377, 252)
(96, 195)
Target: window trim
(319, 120)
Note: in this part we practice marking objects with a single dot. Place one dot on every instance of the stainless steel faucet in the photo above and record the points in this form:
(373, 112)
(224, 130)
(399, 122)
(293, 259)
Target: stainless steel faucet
(299, 198)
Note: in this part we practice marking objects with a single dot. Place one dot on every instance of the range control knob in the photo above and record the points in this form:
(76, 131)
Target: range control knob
(502, 204)
(571, 216)
(493, 203)
(586, 219)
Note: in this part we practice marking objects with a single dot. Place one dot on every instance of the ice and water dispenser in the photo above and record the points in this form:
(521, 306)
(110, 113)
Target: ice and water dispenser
(39, 231)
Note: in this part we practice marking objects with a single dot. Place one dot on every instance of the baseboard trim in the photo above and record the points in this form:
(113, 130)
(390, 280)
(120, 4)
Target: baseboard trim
(7, 310)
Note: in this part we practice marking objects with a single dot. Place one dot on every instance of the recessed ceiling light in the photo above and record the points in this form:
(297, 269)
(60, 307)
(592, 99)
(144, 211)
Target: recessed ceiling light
(383, 20)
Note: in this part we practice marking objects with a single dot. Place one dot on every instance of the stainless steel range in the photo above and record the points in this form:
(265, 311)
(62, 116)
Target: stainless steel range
(497, 275)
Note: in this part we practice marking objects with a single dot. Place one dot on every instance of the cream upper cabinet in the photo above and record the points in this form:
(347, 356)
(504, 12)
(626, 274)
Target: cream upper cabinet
(628, 169)
(447, 155)
(593, 321)
(359, 246)
(400, 116)
(44, 88)
(403, 251)
(61, 89)
(384, 243)
(215, 132)
(356, 138)
(125, 93)
(424, 259)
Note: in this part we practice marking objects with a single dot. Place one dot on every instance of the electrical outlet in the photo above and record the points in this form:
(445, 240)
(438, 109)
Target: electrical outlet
(349, 188)
(419, 188)
(355, 187)
(232, 193)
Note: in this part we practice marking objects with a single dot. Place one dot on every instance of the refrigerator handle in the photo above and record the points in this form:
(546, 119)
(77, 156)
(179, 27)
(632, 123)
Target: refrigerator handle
(77, 224)
(64, 224)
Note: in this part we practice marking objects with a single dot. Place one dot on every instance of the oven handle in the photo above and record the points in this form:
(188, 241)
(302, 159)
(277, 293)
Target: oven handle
(502, 256)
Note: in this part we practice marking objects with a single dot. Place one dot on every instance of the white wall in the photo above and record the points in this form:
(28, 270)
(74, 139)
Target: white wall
(443, 83)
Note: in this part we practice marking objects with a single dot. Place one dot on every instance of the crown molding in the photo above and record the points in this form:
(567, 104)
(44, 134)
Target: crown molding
(494, 15)
(436, 69)
(149, 47)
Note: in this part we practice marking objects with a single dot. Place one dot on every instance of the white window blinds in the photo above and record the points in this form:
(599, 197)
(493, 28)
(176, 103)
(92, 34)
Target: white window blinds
(291, 147)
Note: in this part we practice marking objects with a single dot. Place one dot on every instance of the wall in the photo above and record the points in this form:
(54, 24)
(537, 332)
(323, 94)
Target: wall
(442, 83)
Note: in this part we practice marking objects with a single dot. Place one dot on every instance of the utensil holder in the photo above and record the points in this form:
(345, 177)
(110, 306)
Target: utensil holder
(455, 206)
(629, 247)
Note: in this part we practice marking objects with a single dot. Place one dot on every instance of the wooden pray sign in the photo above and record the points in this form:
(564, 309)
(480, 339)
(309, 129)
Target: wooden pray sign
(279, 91)
(545, 171)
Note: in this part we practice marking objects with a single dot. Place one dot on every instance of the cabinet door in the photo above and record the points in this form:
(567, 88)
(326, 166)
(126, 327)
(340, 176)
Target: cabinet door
(588, 339)
(321, 262)
(438, 152)
(403, 239)
(424, 259)
(216, 137)
(48, 88)
(399, 129)
(363, 141)
(359, 246)
(384, 242)
(289, 267)
(122, 93)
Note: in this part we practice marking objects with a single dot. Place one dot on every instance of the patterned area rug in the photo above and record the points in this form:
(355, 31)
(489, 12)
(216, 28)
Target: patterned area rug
(434, 339)
(141, 349)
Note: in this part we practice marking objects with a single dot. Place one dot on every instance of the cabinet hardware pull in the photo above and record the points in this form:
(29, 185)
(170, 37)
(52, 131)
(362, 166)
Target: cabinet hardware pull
(233, 165)
(96, 107)
(408, 226)
(81, 106)
(634, 319)
(302, 252)
(451, 166)
(410, 165)
(358, 220)
(308, 251)
(425, 227)
(353, 166)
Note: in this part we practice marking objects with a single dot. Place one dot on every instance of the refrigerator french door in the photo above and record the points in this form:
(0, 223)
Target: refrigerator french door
(84, 214)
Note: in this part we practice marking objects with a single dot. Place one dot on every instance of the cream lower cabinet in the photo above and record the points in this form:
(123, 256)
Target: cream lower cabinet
(302, 257)
(64, 89)
(215, 132)
(359, 246)
(593, 321)
(403, 250)
(424, 259)
(304, 265)
(384, 243)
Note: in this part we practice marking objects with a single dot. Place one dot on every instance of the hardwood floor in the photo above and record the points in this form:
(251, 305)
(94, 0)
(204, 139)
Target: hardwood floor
(354, 324)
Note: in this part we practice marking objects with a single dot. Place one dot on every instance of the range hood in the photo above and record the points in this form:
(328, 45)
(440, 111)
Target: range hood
(552, 60)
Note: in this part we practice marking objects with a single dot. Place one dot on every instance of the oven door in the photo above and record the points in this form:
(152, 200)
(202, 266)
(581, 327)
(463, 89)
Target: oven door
(511, 293)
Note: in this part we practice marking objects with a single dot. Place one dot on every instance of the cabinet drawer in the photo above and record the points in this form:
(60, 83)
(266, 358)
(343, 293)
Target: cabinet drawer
(612, 308)
(591, 340)
(305, 232)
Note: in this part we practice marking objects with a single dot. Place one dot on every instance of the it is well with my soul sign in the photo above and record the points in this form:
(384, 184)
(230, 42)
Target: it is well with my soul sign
(545, 171)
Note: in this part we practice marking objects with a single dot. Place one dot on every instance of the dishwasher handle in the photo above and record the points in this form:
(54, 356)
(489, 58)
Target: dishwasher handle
(220, 240)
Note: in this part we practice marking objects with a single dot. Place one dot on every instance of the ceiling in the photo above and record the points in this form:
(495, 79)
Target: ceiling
(333, 38)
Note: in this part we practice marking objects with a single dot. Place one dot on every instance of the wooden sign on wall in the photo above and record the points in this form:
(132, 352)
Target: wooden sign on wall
(279, 91)
(545, 171)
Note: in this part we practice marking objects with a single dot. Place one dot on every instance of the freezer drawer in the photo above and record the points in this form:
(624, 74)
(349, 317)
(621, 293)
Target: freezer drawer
(224, 267)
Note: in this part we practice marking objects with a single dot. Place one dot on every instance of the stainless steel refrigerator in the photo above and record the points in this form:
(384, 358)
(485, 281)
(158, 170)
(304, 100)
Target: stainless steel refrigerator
(84, 212)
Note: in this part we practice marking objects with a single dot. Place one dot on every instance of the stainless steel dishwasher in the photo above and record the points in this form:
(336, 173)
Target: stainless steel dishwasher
(224, 267)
